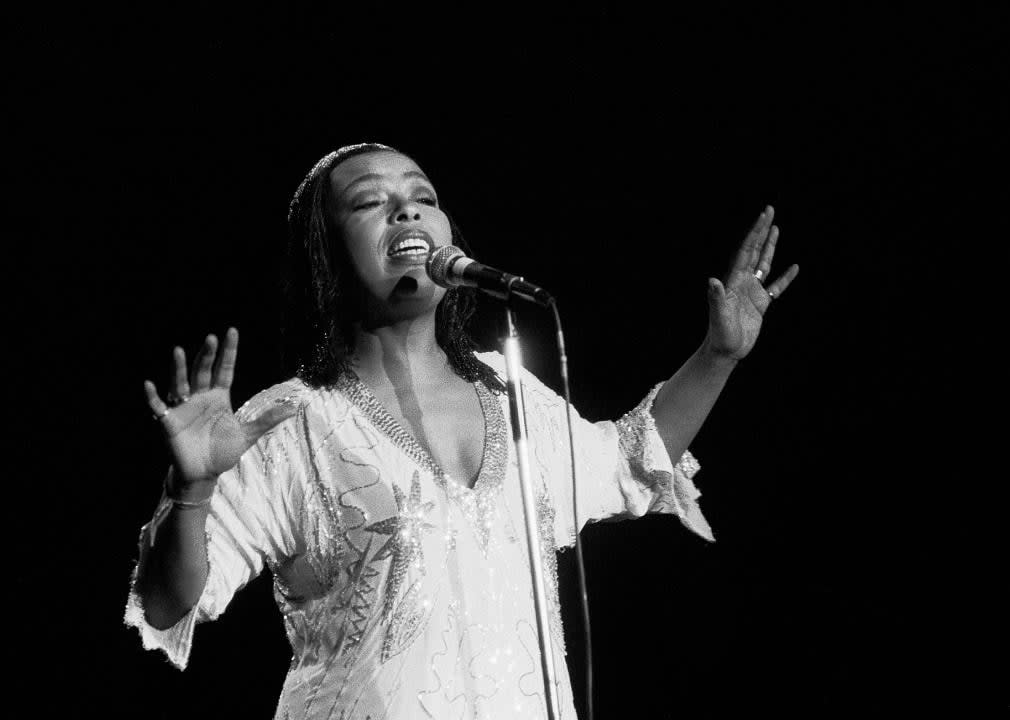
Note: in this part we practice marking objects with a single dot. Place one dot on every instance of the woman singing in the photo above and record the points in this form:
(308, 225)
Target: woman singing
(379, 483)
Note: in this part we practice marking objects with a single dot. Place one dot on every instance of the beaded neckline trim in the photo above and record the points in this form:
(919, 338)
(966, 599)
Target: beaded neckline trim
(493, 458)
(477, 504)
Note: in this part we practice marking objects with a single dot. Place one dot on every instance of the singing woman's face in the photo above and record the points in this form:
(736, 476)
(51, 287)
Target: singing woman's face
(388, 213)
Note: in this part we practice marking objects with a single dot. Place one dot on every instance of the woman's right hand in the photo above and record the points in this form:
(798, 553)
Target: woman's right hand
(203, 434)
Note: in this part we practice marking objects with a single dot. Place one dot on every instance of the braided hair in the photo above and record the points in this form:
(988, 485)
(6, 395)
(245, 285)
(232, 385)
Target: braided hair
(321, 290)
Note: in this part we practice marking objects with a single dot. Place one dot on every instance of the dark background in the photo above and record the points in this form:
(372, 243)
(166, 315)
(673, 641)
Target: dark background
(616, 155)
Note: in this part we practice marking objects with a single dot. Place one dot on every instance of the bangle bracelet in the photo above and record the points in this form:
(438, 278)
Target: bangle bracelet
(187, 504)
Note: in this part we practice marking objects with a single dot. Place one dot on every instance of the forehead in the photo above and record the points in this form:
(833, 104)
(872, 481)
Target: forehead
(385, 163)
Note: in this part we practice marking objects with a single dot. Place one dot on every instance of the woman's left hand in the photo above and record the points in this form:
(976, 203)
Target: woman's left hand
(737, 305)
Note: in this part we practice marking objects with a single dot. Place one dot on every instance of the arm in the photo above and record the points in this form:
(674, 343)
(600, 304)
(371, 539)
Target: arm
(206, 440)
(171, 580)
(736, 308)
(686, 399)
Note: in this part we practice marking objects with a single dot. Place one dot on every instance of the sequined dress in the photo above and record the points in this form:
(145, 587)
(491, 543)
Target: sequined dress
(406, 594)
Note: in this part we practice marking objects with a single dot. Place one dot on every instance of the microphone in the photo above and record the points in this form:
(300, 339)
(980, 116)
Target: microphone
(450, 267)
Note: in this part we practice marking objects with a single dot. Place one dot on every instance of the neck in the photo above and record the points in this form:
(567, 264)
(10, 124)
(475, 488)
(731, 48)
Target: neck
(401, 353)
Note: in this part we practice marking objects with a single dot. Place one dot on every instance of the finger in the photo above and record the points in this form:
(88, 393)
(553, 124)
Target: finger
(716, 290)
(204, 364)
(746, 256)
(158, 407)
(181, 379)
(779, 286)
(270, 418)
(716, 296)
(768, 252)
(226, 363)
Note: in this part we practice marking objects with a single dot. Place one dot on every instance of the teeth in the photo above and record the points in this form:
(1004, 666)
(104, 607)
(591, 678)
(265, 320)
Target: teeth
(409, 246)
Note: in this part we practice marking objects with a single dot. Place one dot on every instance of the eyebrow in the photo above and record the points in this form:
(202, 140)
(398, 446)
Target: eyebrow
(374, 176)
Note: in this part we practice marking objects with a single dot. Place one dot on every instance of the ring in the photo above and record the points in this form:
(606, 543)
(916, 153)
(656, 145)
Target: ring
(176, 400)
(759, 274)
(771, 294)
(161, 415)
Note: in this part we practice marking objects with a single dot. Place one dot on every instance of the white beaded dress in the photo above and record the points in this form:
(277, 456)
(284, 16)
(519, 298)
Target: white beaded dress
(406, 594)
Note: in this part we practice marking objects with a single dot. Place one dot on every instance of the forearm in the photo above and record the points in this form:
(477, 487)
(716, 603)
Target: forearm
(685, 400)
(174, 573)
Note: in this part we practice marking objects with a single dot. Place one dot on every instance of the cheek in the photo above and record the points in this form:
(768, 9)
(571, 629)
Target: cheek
(360, 250)
(443, 229)
(356, 250)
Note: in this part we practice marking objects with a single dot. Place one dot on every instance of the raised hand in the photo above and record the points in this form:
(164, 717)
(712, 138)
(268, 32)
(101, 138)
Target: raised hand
(202, 432)
(738, 303)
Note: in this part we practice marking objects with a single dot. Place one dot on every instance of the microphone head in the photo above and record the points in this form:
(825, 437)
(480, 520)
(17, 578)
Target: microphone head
(439, 263)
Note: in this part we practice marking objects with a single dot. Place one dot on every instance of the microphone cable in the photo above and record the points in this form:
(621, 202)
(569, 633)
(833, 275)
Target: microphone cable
(587, 633)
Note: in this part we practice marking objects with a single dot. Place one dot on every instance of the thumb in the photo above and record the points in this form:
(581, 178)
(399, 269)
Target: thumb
(716, 292)
(270, 418)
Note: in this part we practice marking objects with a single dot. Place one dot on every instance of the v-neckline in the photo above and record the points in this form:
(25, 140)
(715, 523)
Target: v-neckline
(494, 455)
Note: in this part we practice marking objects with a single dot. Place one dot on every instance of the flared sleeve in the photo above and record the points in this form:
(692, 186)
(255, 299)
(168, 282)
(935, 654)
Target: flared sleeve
(623, 467)
(653, 483)
(249, 524)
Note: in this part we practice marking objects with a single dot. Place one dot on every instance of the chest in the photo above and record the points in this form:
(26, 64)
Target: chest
(446, 422)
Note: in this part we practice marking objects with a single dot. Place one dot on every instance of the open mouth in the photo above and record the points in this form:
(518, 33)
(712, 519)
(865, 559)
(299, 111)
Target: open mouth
(411, 248)
(413, 243)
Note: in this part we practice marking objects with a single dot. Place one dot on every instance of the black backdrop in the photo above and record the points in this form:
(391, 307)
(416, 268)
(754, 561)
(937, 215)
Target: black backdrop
(614, 155)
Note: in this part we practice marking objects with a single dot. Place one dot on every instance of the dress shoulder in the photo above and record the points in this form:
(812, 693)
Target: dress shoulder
(292, 389)
(496, 361)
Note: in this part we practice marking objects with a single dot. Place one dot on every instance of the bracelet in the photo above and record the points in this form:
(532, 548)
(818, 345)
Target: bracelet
(186, 504)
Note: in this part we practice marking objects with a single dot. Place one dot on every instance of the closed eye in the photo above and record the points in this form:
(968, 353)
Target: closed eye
(426, 200)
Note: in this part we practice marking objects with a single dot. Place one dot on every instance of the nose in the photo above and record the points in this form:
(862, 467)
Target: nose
(406, 211)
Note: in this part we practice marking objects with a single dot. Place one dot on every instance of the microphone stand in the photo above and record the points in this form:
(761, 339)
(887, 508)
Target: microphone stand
(517, 414)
